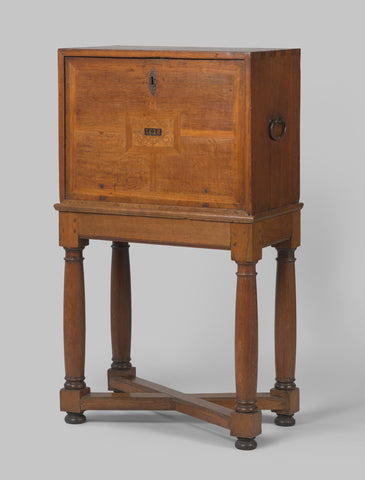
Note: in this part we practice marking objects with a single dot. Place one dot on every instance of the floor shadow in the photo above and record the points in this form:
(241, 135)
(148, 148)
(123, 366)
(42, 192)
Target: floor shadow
(140, 417)
(326, 411)
(205, 432)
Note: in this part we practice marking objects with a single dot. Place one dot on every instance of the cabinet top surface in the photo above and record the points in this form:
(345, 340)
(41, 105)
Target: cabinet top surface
(171, 52)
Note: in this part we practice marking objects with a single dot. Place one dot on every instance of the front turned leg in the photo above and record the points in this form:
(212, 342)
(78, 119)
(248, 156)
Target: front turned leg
(285, 335)
(246, 420)
(74, 334)
(120, 312)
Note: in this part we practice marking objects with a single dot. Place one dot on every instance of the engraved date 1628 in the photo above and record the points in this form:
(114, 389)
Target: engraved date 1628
(154, 132)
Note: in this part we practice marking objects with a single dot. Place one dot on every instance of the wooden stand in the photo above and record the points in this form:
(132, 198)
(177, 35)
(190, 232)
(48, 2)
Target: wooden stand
(240, 412)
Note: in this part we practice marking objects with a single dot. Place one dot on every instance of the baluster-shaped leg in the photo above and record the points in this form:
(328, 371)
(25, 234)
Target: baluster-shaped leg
(285, 330)
(74, 326)
(246, 421)
(120, 311)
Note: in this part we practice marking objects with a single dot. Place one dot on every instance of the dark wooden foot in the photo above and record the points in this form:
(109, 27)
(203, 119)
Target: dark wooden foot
(245, 443)
(285, 420)
(75, 418)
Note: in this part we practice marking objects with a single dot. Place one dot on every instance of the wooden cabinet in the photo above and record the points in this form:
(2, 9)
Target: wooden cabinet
(191, 147)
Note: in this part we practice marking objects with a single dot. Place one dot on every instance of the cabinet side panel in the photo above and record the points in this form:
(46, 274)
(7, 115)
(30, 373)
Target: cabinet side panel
(275, 83)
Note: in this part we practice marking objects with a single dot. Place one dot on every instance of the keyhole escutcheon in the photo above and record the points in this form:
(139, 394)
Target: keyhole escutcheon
(152, 81)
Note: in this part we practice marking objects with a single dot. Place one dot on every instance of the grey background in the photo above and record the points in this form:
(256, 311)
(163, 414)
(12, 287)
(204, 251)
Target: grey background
(183, 299)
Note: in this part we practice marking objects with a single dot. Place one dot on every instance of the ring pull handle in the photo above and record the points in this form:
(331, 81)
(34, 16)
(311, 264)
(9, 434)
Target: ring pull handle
(273, 124)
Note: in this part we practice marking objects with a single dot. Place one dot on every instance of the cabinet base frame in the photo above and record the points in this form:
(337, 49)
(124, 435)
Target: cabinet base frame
(133, 393)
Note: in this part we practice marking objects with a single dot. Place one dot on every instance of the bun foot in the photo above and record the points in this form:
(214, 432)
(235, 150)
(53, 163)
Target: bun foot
(75, 418)
(285, 420)
(245, 443)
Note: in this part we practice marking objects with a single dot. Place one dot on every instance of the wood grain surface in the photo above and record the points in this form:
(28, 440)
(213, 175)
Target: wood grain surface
(213, 110)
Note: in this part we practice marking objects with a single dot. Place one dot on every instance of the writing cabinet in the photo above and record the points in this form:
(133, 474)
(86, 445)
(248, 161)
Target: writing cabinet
(192, 147)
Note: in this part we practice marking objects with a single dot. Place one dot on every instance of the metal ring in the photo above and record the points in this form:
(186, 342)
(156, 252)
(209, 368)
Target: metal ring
(278, 121)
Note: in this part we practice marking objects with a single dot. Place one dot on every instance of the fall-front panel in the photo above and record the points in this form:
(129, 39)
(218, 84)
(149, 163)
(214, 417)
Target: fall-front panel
(156, 131)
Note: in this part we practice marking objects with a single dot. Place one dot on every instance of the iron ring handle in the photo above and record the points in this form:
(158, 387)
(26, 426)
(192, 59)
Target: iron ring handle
(277, 122)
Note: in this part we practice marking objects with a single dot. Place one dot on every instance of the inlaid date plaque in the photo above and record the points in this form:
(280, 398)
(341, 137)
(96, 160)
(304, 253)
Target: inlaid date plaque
(186, 147)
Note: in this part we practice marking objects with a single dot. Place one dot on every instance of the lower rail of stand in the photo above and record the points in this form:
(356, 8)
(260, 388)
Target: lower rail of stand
(138, 394)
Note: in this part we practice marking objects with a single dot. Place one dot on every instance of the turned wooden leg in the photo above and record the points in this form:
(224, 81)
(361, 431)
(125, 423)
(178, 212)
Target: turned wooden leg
(74, 326)
(120, 311)
(246, 421)
(285, 329)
